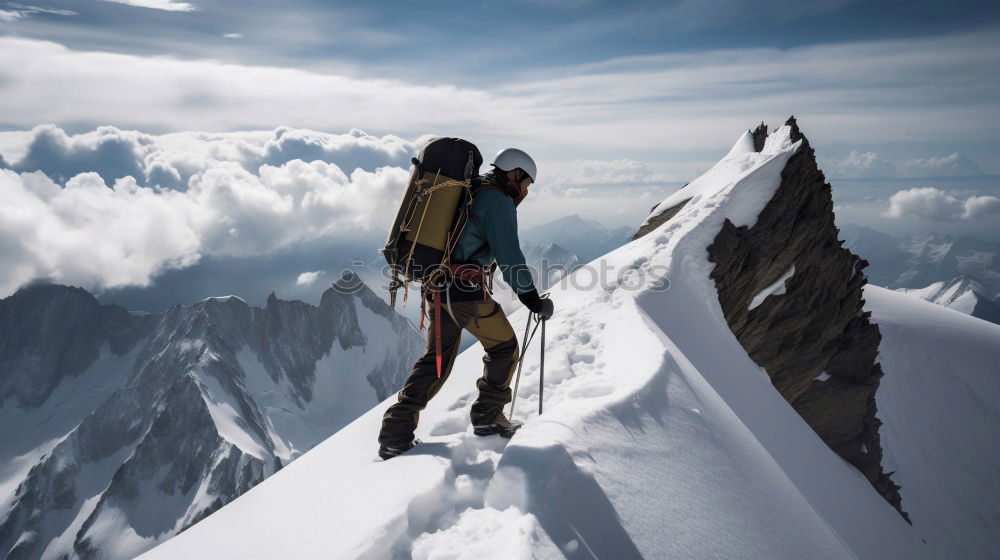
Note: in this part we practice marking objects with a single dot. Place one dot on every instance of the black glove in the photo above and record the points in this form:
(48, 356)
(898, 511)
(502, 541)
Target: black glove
(547, 309)
(535, 304)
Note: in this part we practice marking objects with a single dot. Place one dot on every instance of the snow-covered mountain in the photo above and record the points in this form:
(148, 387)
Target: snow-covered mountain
(551, 262)
(122, 429)
(959, 273)
(885, 253)
(588, 239)
(661, 437)
(962, 294)
(935, 257)
(815, 342)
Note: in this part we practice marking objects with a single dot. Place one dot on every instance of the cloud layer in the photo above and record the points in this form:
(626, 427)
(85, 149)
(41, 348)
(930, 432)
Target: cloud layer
(940, 206)
(100, 233)
(933, 89)
(112, 208)
(871, 165)
(170, 160)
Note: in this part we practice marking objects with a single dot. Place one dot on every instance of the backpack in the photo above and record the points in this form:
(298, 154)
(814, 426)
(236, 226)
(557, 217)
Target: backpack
(432, 213)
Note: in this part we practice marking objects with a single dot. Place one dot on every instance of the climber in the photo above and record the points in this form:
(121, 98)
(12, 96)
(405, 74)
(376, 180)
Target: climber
(490, 235)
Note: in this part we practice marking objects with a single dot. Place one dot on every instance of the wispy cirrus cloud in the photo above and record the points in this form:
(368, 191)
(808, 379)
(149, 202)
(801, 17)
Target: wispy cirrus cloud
(872, 165)
(13, 11)
(165, 5)
(941, 89)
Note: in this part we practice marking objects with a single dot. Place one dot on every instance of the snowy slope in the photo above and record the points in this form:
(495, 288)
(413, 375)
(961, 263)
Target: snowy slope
(660, 438)
(938, 401)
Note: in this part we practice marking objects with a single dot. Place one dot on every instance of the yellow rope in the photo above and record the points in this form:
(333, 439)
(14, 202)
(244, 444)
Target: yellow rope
(420, 225)
(451, 183)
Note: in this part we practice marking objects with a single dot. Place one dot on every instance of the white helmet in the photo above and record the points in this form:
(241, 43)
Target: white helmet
(512, 158)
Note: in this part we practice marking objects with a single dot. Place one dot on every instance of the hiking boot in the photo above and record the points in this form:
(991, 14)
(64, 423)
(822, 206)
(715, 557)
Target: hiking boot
(500, 425)
(386, 452)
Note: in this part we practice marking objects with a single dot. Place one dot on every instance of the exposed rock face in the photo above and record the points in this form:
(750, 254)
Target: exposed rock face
(73, 321)
(188, 409)
(659, 219)
(815, 341)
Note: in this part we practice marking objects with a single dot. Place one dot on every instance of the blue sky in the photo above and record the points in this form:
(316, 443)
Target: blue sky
(621, 103)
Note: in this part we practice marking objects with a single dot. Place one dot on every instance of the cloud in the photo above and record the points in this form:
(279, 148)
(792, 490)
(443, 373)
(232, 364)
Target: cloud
(981, 206)
(18, 11)
(170, 160)
(620, 171)
(166, 5)
(170, 94)
(859, 164)
(93, 235)
(232, 35)
(948, 166)
(870, 165)
(307, 278)
(934, 204)
(111, 152)
(941, 88)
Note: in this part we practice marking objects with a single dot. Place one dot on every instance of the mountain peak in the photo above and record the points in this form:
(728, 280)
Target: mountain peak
(47, 290)
(348, 283)
(791, 248)
(223, 300)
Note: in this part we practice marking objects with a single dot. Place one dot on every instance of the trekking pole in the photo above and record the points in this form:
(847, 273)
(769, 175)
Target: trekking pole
(541, 369)
(520, 360)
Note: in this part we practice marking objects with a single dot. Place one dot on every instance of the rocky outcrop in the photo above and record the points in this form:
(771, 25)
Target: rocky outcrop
(659, 218)
(47, 316)
(815, 341)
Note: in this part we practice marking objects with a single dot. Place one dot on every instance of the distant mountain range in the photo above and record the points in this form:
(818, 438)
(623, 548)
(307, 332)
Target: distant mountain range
(586, 238)
(962, 273)
(124, 428)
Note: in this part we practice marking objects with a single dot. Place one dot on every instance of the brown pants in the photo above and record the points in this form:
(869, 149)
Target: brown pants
(488, 323)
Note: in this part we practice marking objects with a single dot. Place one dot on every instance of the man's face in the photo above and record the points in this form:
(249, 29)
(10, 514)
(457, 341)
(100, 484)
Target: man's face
(525, 183)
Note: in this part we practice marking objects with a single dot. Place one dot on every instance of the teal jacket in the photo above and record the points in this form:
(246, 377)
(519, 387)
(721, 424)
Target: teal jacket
(491, 233)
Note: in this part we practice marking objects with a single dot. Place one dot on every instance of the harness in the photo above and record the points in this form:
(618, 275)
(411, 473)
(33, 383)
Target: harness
(442, 278)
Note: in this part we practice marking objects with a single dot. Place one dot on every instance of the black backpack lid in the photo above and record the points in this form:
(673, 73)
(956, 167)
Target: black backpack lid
(450, 156)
